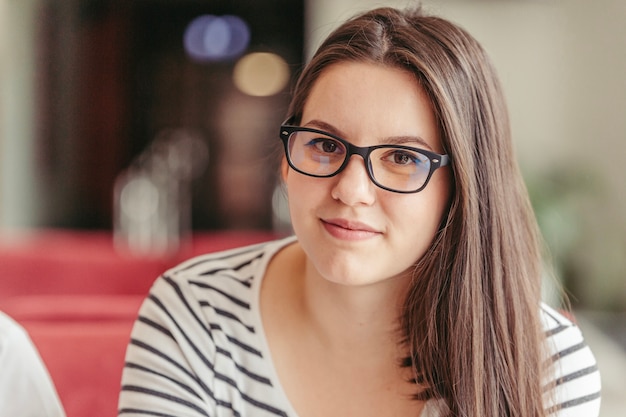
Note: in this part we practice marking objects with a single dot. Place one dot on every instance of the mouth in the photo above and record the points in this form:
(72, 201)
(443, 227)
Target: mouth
(349, 230)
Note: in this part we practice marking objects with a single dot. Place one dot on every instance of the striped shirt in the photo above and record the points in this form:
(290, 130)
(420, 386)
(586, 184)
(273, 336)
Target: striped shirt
(198, 347)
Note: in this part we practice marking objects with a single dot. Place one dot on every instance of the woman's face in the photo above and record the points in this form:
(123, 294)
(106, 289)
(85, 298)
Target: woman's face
(354, 232)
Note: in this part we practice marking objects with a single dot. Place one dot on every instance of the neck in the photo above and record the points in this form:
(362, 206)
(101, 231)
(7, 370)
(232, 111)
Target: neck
(353, 316)
(334, 342)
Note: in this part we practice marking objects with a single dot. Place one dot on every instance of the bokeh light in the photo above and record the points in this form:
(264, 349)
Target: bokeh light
(216, 38)
(261, 74)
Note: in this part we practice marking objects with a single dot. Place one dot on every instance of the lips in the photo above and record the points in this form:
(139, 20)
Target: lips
(349, 230)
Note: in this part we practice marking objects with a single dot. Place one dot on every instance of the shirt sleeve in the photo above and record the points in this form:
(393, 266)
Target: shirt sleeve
(169, 360)
(26, 388)
(574, 369)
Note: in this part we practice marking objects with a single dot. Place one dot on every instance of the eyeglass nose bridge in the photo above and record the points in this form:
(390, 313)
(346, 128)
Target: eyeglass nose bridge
(364, 152)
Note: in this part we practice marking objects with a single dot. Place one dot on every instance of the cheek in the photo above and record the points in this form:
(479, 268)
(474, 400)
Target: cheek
(302, 192)
(422, 214)
(284, 169)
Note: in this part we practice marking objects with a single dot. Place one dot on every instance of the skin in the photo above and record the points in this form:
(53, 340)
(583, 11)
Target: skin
(353, 232)
(333, 297)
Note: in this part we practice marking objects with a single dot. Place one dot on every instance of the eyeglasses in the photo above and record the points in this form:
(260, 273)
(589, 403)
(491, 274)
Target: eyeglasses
(397, 168)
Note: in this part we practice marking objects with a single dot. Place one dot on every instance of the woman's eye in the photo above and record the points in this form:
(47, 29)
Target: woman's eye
(401, 161)
(402, 158)
(325, 145)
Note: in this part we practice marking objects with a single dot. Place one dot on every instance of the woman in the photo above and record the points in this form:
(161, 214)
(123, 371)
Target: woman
(412, 285)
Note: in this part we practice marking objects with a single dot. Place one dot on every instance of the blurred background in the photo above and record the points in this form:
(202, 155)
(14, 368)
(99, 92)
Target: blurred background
(120, 116)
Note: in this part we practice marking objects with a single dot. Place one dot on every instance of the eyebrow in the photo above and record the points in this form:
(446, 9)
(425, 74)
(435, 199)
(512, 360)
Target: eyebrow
(390, 140)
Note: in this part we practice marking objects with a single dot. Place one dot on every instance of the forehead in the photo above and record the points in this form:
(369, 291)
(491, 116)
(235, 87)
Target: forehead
(370, 102)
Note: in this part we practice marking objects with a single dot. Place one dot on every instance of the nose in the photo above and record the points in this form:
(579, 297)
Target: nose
(353, 185)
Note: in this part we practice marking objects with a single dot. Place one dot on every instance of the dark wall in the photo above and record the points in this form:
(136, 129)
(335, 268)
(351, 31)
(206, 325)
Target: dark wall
(113, 74)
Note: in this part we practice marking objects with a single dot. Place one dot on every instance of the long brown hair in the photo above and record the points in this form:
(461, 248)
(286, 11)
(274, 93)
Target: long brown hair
(471, 317)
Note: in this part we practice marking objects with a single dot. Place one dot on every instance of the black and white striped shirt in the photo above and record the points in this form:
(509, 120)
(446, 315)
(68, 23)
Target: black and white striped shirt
(198, 346)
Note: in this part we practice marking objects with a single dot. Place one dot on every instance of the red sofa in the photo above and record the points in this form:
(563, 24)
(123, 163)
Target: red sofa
(78, 296)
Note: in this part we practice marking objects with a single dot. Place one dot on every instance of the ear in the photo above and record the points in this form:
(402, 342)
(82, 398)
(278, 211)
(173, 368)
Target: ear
(284, 169)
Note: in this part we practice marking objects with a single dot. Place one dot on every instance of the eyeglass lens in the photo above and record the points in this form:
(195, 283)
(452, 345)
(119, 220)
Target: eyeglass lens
(391, 167)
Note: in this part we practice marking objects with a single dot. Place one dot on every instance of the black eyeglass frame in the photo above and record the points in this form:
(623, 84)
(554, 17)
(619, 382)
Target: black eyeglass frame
(436, 160)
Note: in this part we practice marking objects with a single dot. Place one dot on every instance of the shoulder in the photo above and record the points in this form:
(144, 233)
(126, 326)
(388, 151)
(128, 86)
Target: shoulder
(197, 299)
(243, 258)
(574, 370)
(11, 332)
(199, 329)
(238, 269)
(227, 278)
(16, 348)
(24, 375)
